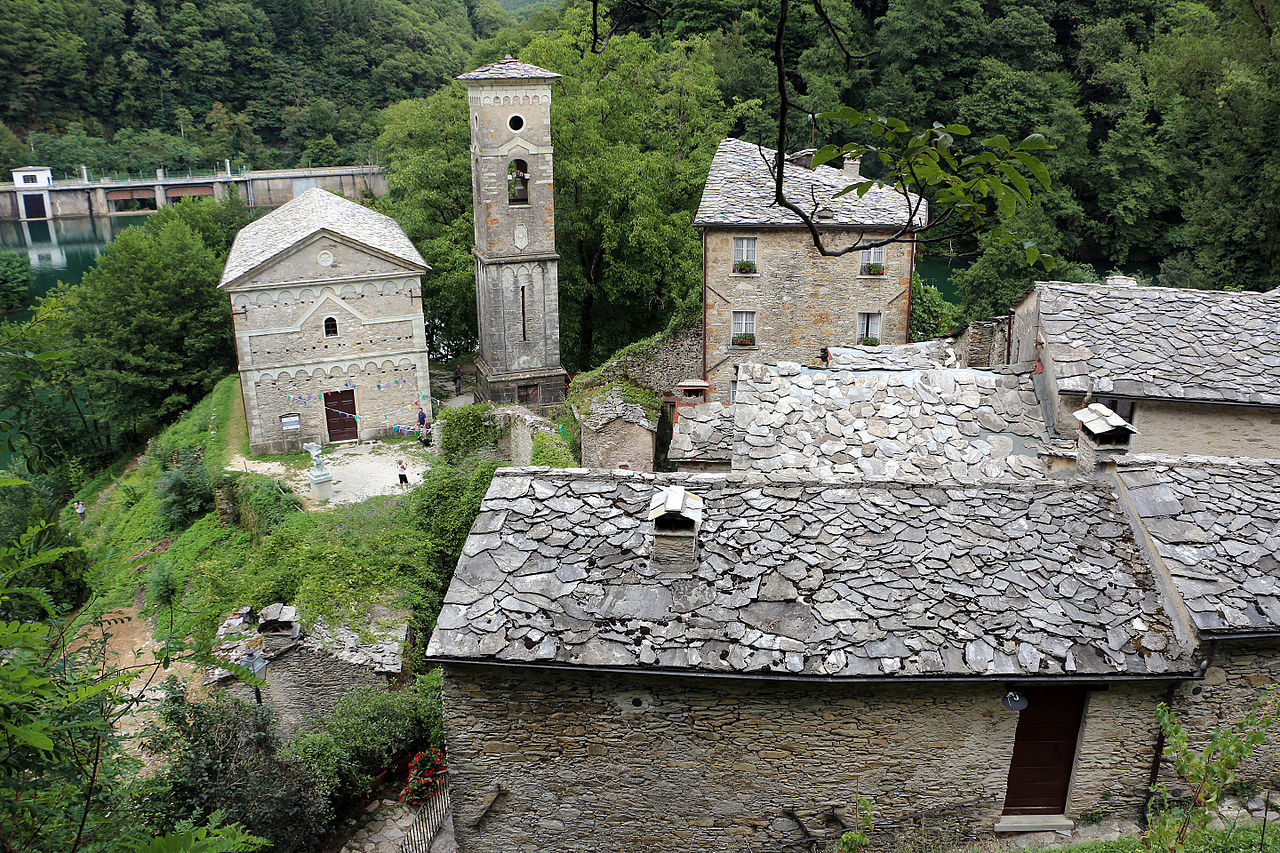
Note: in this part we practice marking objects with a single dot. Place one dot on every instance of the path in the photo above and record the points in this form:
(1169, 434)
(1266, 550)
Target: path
(359, 471)
(384, 832)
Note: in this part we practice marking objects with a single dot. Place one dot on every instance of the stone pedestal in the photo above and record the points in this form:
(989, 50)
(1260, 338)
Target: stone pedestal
(321, 485)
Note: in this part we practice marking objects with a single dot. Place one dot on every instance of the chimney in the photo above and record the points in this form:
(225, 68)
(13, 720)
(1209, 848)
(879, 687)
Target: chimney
(1103, 436)
(676, 517)
(852, 165)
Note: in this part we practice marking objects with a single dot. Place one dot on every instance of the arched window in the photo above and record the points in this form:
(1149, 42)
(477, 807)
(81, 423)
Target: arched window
(518, 182)
(330, 327)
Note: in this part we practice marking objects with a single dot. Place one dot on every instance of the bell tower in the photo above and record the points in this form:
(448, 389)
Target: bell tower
(517, 295)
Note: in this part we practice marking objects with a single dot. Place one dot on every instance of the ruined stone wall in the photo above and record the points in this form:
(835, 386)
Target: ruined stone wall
(1241, 670)
(618, 443)
(594, 762)
(803, 301)
(984, 343)
(659, 363)
(304, 684)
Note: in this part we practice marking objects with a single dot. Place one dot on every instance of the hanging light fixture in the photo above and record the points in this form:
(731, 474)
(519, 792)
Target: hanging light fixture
(1014, 701)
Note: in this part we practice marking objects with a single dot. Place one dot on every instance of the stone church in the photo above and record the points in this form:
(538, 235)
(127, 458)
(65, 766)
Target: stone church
(326, 302)
(517, 292)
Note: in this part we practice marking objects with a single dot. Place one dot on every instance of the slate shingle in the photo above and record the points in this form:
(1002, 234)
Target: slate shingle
(313, 211)
(1163, 342)
(740, 190)
(826, 578)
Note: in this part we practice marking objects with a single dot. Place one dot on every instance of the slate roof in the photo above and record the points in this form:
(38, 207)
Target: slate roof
(1163, 342)
(509, 68)
(739, 191)
(703, 432)
(313, 211)
(610, 407)
(824, 578)
(921, 356)
(1216, 525)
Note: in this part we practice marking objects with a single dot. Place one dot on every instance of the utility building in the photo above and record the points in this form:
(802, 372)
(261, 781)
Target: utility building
(326, 301)
(517, 296)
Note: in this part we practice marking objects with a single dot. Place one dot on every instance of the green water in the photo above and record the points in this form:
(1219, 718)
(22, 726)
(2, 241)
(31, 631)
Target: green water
(61, 249)
(936, 271)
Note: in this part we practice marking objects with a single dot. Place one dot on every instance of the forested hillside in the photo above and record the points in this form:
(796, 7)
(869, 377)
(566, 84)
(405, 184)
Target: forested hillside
(1163, 113)
(186, 84)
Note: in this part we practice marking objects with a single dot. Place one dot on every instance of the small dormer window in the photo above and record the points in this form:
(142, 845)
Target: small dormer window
(518, 182)
(330, 327)
(676, 517)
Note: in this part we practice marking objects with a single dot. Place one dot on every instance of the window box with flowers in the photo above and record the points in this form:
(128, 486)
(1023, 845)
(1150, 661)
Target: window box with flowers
(744, 340)
(873, 269)
(745, 267)
(869, 341)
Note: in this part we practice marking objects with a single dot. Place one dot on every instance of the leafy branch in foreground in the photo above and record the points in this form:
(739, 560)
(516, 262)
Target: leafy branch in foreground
(967, 188)
(1173, 825)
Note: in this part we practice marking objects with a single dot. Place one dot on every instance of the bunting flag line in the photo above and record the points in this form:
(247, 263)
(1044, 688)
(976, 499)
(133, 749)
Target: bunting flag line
(311, 398)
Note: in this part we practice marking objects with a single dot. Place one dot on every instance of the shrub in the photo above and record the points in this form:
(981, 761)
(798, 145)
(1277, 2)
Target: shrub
(552, 450)
(466, 431)
(225, 755)
(367, 730)
(184, 491)
(162, 584)
(868, 341)
(16, 278)
(264, 504)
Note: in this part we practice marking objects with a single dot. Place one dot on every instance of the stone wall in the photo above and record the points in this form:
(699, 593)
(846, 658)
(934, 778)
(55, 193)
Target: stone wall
(305, 683)
(803, 301)
(267, 396)
(618, 443)
(1206, 429)
(659, 363)
(1241, 669)
(984, 343)
(595, 762)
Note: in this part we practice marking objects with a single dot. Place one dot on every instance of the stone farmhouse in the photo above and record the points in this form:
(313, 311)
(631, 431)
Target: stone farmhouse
(768, 295)
(326, 304)
(617, 434)
(1192, 370)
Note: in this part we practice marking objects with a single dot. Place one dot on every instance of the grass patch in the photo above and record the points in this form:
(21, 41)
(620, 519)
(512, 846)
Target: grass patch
(1241, 839)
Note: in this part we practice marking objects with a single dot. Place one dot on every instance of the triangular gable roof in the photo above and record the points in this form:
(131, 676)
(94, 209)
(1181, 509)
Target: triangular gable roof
(314, 211)
(740, 189)
(509, 68)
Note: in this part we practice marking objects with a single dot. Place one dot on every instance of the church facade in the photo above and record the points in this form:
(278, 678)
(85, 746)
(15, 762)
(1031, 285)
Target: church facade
(517, 291)
(326, 301)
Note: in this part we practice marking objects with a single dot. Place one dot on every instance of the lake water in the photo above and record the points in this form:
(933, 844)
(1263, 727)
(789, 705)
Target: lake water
(61, 249)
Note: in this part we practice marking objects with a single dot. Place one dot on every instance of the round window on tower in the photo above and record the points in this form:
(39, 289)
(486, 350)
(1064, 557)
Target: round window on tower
(515, 122)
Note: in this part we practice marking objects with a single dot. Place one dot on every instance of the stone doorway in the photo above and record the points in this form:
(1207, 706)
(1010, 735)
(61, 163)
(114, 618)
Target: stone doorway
(1044, 751)
(340, 415)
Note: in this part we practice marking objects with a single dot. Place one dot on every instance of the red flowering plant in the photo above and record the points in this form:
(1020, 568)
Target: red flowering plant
(426, 776)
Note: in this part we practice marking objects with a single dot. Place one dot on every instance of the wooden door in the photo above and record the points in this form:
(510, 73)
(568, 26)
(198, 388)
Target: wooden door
(1044, 750)
(340, 415)
(33, 205)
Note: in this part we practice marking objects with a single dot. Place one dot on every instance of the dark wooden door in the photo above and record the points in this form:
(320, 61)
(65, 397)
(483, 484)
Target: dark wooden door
(34, 206)
(1044, 749)
(340, 415)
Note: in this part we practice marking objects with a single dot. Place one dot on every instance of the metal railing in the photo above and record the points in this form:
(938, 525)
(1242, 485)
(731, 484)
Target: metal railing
(427, 822)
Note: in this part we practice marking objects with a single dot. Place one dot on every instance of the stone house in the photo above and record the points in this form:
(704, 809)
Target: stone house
(717, 675)
(617, 434)
(768, 295)
(1192, 370)
(307, 671)
(326, 305)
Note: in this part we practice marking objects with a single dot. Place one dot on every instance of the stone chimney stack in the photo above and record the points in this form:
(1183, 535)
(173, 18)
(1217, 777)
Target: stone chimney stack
(851, 167)
(1121, 281)
(1103, 435)
(677, 518)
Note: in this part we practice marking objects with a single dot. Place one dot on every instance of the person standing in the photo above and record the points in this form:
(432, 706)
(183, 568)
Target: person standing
(404, 474)
(79, 508)
(457, 380)
(422, 420)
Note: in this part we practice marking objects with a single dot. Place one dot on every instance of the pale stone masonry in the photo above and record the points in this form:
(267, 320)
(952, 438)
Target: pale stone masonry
(768, 295)
(617, 434)
(326, 302)
(1194, 371)
(517, 284)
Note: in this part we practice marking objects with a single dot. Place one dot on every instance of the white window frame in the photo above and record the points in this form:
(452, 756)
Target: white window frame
(874, 256)
(865, 324)
(733, 391)
(745, 249)
(291, 421)
(742, 323)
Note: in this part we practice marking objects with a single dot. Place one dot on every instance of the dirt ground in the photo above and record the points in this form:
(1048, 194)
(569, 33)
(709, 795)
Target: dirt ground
(359, 471)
